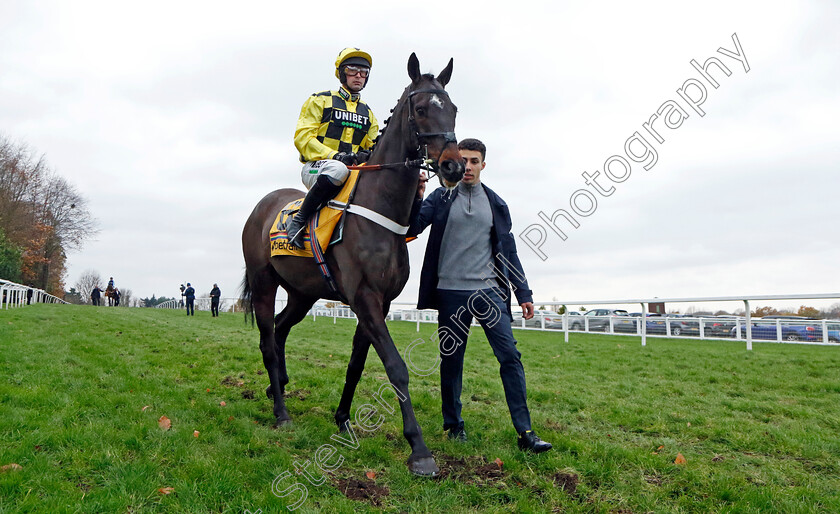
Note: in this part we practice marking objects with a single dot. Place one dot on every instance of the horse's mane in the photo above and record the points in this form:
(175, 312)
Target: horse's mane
(426, 76)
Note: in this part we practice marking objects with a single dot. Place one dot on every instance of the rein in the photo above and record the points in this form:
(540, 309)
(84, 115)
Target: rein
(424, 163)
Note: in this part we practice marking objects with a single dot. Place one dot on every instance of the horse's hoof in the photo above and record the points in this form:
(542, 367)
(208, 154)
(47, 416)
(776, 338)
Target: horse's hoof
(423, 466)
(343, 428)
(282, 422)
(268, 393)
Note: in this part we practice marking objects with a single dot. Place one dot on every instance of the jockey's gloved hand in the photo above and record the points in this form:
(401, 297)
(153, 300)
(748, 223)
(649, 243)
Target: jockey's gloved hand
(363, 156)
(348, 158)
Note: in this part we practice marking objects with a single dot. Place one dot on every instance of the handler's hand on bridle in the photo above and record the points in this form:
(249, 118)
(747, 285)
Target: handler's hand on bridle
(421, 185)
(527, 310)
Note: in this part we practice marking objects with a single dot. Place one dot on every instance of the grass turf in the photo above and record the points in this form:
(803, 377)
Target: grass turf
(82, 390)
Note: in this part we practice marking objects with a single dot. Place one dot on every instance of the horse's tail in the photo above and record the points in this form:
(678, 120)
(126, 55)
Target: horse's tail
(246, 300)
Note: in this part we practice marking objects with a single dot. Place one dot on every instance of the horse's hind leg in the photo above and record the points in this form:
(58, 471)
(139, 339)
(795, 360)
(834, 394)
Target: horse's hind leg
(358, 356)
(291, 315)
(264, 290)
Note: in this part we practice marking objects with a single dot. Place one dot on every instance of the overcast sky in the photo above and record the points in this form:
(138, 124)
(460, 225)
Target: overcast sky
(175, 118)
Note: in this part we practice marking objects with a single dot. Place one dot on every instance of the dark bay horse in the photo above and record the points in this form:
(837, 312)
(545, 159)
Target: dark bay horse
(370, 265)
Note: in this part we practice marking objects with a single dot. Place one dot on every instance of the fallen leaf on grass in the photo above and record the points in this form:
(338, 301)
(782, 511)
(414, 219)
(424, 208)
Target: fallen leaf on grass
(166, 490)
(717, 458)
(208, 389)
(499, 462)
(164, 423)
(222, 404)
(660, 447)
(371, 475)
(195, 433)
(10, 467)
(144, 408)
(680, 460)
(688, 424)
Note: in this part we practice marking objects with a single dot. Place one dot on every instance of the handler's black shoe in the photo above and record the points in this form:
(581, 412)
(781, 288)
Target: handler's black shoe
(529, 441)
(458, 434)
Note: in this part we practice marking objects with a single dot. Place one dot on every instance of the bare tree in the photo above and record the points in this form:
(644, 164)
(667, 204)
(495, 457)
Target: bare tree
(87, 281)
(125, 297)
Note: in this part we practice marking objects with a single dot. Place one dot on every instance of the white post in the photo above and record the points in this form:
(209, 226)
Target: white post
(824, 331)
(566, 322)
(778, 331)
(700, 321)
(643, 323)
(749, 324)
(667, 326)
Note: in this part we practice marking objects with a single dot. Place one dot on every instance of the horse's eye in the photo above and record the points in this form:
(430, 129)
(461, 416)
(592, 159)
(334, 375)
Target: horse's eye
(421, 111)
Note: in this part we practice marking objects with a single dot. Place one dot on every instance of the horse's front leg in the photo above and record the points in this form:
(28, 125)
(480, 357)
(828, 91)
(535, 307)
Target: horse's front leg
(372, 326)
(358, 357)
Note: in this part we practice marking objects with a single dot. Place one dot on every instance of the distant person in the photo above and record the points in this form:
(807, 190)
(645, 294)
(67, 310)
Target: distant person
(95, 295)
(29, 293)
(181, 301)
(116, 296)
(111, 283)
(189, 294)
(215, 295)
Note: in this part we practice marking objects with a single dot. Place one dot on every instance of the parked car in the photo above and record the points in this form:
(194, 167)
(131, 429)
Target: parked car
(678, 325)
(765, 328)
(834, 332)
(551, 318)
(555, 322)
(599, 319)
(718, 326)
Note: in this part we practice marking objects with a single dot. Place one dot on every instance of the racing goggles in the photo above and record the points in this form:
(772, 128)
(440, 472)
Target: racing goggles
(352, 71)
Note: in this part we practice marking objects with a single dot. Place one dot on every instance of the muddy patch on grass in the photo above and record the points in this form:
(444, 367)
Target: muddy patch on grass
(470, 470)
(248, 394)
(300, 394)
(232, 382)
(567, 482)
(362, 490)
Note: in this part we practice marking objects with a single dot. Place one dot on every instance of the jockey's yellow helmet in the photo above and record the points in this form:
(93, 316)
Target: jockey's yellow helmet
(352, 56)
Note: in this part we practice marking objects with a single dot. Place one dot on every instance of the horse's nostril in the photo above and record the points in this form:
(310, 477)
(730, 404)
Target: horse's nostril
(452, 167)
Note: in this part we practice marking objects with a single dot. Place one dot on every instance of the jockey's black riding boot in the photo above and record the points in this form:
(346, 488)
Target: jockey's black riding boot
(322, 192)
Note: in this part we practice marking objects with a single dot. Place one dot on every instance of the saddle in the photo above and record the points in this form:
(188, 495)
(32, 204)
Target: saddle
(325, 221)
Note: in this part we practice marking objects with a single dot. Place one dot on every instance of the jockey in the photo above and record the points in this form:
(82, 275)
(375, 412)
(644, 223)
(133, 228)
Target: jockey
(111, 284)
(335, 130)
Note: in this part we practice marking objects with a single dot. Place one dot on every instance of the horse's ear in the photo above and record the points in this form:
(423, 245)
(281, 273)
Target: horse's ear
(413, 67)
(446, 74)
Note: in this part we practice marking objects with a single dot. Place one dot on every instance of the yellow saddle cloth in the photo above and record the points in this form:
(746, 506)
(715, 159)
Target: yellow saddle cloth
(326, 220)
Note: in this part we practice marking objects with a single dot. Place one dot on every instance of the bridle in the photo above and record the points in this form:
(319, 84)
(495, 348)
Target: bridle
(423, 161)
(423, 149)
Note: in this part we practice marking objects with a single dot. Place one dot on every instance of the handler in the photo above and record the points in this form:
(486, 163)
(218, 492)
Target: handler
(335, 130)
(471, 241)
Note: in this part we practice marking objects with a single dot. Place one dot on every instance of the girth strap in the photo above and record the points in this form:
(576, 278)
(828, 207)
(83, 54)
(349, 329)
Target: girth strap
(370, 215)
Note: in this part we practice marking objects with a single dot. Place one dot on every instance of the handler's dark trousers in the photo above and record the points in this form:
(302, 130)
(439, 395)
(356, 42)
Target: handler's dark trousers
(214, 307)
(457, 309)
(190, 306)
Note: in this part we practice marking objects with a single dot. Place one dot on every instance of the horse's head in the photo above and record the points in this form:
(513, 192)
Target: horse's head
(431, 115)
